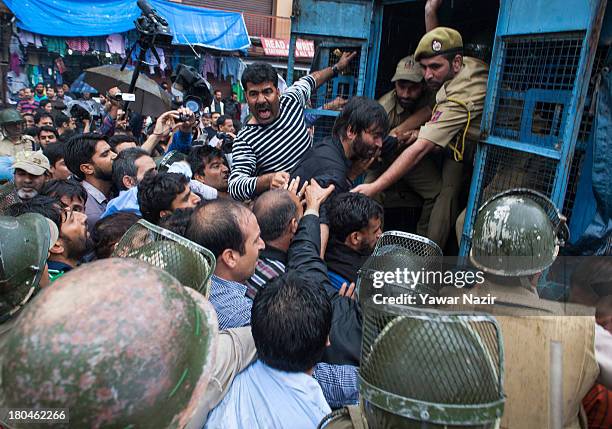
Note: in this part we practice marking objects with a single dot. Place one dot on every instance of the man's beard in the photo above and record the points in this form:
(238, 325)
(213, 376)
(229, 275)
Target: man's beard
(365, 249)
(26, 195)
(407, 103)
(361, 150)
(76, 249)
(99, 174)
(435, 86)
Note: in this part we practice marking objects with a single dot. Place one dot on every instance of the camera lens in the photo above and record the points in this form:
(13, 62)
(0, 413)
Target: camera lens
(192, 105)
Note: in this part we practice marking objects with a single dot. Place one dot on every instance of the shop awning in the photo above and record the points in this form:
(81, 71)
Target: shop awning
(190, 25)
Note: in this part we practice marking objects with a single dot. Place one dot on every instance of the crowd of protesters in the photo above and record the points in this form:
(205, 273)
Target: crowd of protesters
(289, 220)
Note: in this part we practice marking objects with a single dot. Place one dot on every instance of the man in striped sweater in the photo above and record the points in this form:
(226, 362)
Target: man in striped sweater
(275, 138)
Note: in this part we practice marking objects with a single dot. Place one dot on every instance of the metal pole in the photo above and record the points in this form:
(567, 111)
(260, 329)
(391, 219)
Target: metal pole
(556, 385)
(135, 74)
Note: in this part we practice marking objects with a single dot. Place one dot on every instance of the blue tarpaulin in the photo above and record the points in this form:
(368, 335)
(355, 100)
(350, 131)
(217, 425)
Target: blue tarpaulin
(81, 18)
(594, 217)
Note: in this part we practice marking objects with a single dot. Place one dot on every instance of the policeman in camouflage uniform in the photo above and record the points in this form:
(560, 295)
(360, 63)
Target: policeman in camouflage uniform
(24, 249)
(452, 130)
(427, 370)
(11, 126)
(121, 344)
(516, 237)
(421, 367)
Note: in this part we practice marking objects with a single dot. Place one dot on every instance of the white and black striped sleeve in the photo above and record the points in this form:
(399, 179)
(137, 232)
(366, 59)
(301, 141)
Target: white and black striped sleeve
(301, 90)
(242, 181)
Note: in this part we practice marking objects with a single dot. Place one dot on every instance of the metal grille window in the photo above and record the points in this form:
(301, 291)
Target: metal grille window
(506, 169)
(537, 76)
(345, 84)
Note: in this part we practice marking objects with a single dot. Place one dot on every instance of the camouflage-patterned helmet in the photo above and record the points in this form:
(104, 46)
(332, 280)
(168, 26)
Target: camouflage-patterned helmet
(119, 343)
(188, 262)
(430, 369)
(187, 266)
(24, 248)
(517, 233)
(10, 116)
(396, 250)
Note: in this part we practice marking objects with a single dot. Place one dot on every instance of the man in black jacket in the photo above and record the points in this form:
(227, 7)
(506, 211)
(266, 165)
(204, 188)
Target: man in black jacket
(296, 246)
(355, 224)
(356, 142)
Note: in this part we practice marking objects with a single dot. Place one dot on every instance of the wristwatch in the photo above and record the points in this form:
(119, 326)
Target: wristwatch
(335, 71)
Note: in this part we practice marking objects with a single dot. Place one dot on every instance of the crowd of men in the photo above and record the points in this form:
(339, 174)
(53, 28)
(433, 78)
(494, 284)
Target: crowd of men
(278, 339)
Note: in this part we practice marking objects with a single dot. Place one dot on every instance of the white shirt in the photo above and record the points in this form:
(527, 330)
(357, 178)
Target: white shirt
(262, 397)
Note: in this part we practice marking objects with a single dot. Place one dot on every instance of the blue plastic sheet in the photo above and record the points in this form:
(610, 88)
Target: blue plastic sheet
(595, 224)
(81, 18)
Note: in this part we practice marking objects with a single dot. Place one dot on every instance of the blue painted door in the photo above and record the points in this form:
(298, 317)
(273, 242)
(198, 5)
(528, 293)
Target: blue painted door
(543, 56)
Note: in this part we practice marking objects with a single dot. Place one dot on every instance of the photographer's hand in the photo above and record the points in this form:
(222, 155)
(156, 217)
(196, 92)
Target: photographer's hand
(163, 128)
(189, 123)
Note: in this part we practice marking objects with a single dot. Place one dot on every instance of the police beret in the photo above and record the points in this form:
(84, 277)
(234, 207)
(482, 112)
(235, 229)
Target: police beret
(440, 40)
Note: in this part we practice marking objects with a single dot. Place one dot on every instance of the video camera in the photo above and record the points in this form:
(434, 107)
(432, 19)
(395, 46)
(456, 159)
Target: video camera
(150, 25)
(190, 89)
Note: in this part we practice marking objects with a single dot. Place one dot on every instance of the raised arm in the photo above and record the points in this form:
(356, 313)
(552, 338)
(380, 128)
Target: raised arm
(326, 74)
(431, 14)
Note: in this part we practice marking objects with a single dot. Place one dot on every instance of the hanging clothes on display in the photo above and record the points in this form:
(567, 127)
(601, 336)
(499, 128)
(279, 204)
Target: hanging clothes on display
(26, 38)
(116, 44)
(55, 44)
(15, 63)
(232, 68)
(59, 65)
(152, 60)
(78, 44)
(16, 81)
(97, 44)
(15, 48)
(237, 88)
(209, 65)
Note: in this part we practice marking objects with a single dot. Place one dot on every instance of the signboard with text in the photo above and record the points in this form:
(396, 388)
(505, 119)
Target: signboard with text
(280, 48)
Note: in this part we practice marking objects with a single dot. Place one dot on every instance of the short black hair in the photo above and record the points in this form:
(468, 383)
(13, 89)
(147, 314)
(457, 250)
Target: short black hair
(157, 191)
(259, 72)
(117, 139)
(274, 210)
(48, 129)
(221, 120)
(350, 212)
(44, 102)
(290, 321)
(109, 230)
(40, 115)
(200, 156)
(61, 119)
(44, 205)
(361, 114)
(54, 152)
(64, 188)
(31, 131)
(215, 225)
(67, 135)
(79, 150)
(125, 165)
(178, 221)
